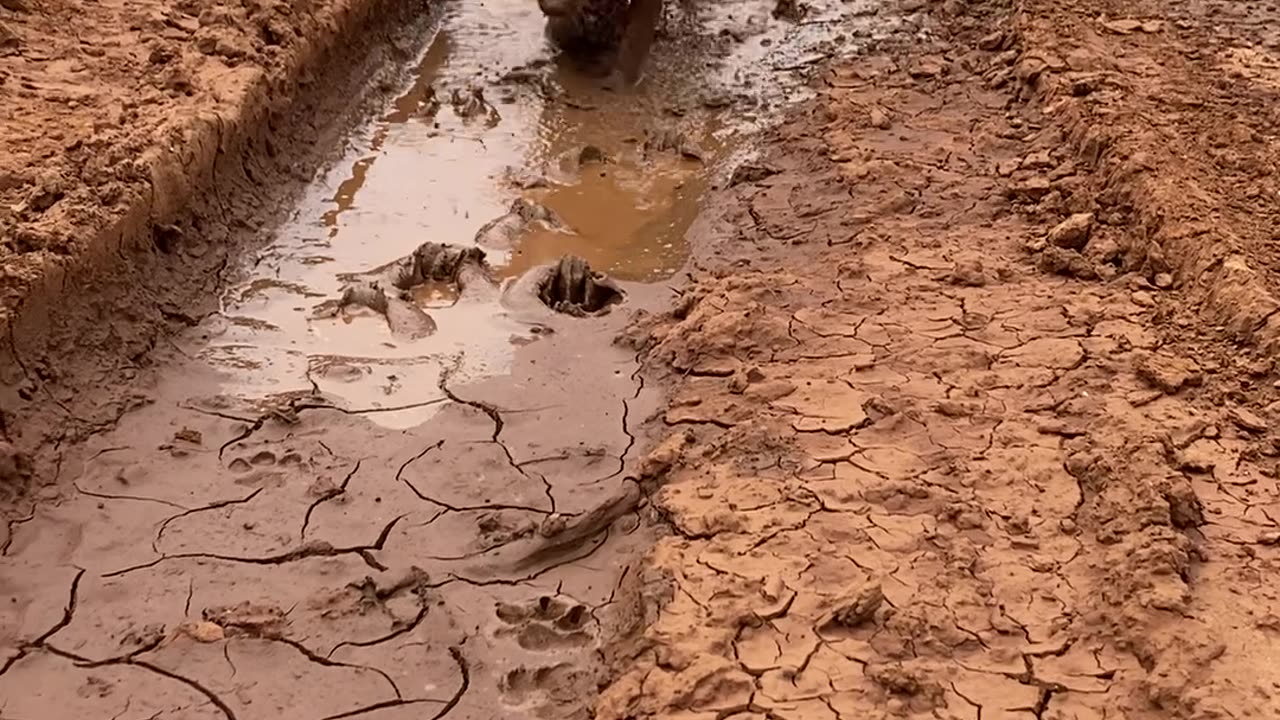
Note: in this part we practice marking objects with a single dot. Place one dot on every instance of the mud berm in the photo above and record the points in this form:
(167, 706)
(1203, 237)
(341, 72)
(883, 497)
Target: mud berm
(869, 359)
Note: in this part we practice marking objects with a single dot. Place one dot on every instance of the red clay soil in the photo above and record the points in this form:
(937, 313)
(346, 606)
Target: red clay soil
(140, 144)
(960, 427)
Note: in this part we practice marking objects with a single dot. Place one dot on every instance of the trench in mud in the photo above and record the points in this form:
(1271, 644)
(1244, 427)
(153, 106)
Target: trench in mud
(426, 172)
(319, 515)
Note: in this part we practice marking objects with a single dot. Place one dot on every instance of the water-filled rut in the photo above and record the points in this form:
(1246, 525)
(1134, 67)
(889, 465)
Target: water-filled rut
(317, 516)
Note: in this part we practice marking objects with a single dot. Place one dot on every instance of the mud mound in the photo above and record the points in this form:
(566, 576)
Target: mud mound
(1180, 196)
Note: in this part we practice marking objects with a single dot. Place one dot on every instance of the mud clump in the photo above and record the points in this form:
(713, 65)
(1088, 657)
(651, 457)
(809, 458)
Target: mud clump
(9, 43)
(854, 607)
(790, 10)
(15, 472)
(592, 155)
(606, 35)
(568, 286)
(471, 104)
(912, 687)
(1030, 190)
(1168, 374)
(249, 619)
(585, 28)
(522, 216)
(434, 262)
(1248, 420)
(751, 173)
(573, 288)
(1069, 263)
(670, 140)
(969, 272)
(1072, 233)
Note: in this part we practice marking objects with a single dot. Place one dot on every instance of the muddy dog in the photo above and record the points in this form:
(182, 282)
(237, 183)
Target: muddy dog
(597, 27)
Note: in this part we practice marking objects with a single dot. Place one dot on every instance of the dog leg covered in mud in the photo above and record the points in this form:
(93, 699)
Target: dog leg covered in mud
(599, 27)
(568, 286)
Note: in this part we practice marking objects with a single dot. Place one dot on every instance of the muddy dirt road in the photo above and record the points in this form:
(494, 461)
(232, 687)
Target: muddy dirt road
(963, 407)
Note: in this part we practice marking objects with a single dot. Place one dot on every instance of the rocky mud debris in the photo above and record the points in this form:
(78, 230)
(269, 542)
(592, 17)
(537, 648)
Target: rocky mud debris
(524, 215)
(568, 286)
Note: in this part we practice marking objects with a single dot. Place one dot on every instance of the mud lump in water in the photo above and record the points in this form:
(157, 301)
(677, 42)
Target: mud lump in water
(502, 232)
(568, 286)
(599, 27)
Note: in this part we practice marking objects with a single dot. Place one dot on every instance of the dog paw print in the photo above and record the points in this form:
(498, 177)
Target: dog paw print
(547, 624)
(253, 461)
(549, 688)
(264, 458)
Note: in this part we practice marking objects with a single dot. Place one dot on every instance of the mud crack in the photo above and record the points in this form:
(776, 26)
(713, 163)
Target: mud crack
(329, 494)
(498, 424)
(155, 543)
(464, 672)
(315, 548)
(462, 508)
(68, 612)
(130, 661)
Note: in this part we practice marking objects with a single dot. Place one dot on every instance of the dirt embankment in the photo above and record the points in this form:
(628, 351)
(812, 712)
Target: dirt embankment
(1172, 110)
(139, 146)
(961, 427)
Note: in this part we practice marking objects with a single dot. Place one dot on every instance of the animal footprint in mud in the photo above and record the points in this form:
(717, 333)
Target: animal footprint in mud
(547, 624)
(573, 288)
(559, 685)
(263, 459)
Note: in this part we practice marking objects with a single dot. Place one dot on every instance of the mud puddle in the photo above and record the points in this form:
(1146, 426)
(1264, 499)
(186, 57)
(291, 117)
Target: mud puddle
(317, 517)
(491, 115)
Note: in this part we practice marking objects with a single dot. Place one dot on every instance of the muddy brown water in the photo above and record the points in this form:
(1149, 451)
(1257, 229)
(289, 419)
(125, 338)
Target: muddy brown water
(315, 518)
(423, 173)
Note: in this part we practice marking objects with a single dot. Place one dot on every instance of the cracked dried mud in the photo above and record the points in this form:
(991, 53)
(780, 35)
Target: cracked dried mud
(961, 406)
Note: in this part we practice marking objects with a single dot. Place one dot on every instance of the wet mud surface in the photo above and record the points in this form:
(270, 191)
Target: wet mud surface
(310, 514)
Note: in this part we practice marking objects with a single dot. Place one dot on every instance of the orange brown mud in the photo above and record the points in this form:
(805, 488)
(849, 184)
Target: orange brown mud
(924, 463)
(968, 414)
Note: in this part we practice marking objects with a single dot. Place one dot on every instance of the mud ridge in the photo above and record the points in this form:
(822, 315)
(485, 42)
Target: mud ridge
(1192, 209)
(302, 552)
